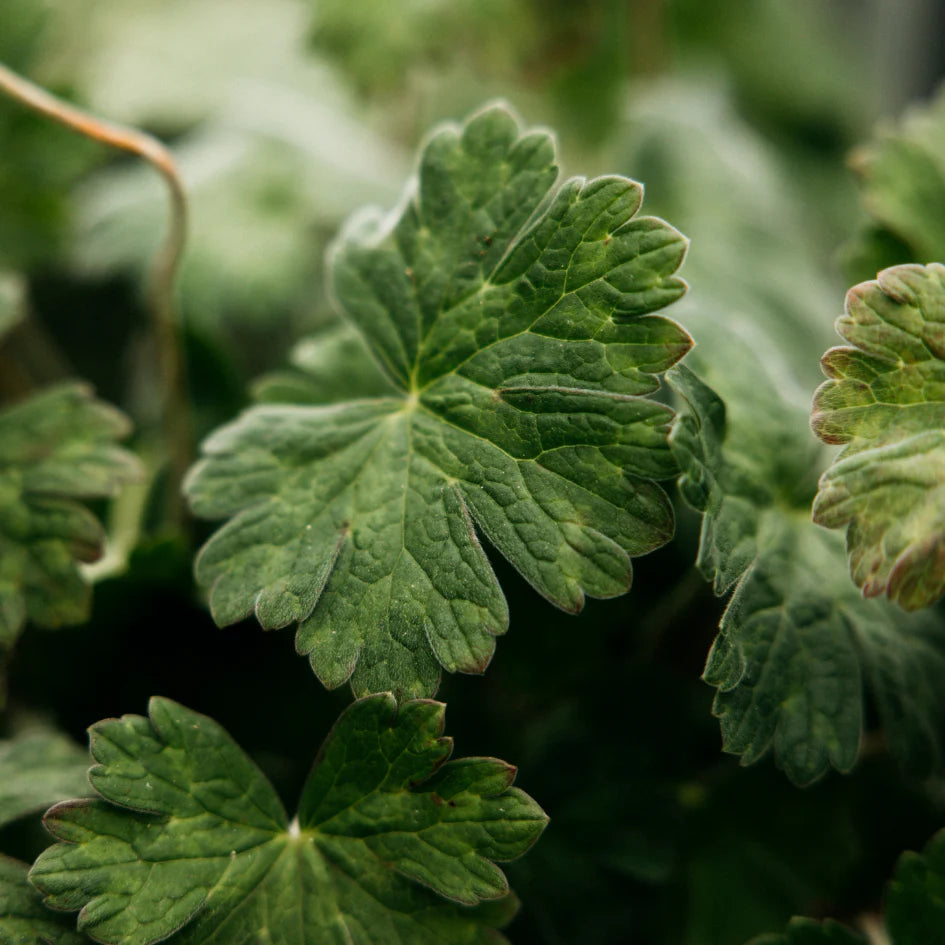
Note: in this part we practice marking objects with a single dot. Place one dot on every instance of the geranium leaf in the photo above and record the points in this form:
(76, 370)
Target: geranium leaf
(38, 769)
(23, 918)
(797, 643)
(886, 401)
(515, 321)
(56, 448)
(189, 843)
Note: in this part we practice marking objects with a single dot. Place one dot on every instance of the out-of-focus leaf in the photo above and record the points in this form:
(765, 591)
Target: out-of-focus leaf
(332, 366)
(392, 843)
(36, 771)
(378, 44)
(267, 180)
(915, 900)
(809, 932)
(23, 918)
(902, 178)
(885, 401)
(41, 160)
(517, 323)
(56, 448)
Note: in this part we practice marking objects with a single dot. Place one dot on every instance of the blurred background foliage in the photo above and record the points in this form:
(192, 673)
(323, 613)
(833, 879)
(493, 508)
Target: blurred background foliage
(771, 133)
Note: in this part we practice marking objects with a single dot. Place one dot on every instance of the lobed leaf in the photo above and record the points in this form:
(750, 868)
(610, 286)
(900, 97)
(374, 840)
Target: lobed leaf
(797, 644)
(885, 401)
(56, 448)
(515, 323)
(23, 919)
(189, 842)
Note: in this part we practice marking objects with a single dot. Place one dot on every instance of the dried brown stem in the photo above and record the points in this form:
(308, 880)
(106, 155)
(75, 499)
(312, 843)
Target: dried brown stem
(162, 305)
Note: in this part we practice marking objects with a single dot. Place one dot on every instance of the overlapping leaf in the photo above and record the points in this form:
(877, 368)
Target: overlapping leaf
(797, 643)
(189, 842)
(515, 322)
(331, 366)
(56, 448)
(23, 918)
(886, 401)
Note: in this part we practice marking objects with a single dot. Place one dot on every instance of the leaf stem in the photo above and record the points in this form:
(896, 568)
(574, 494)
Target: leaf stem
(162, 303)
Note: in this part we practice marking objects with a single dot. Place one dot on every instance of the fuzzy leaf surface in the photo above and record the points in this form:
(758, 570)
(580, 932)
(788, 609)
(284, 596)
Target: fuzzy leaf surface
(36, 771)
(885, 400)
(189, 843)
(797, 644)
(23, 918)
(515, 321)
(56, 448)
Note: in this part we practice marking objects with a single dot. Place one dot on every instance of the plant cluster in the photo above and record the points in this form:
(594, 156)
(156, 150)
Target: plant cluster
(515, 383)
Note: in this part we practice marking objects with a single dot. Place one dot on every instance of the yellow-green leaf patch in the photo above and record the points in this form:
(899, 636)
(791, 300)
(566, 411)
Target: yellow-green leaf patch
(885, 401)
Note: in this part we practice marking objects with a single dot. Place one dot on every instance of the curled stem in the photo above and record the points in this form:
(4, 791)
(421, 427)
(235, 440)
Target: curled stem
(162, 304)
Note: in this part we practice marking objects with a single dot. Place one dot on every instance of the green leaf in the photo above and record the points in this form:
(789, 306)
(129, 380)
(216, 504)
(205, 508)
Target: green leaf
(392, 843)
(515, 321)
(56, 448)
(331, 366)
(915, 900)
(809, 932)
(797, 643)
(37, 770)
(23, 919)
(886, 401)
(902, 178)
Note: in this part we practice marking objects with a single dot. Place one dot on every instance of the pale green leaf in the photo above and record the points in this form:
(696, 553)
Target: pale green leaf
(23, 918)
(331, 366)
(797, 643)
(56, 448)
(886, 401)
(37, 769)
(902, 178)
(515, 322)
(189, 843)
